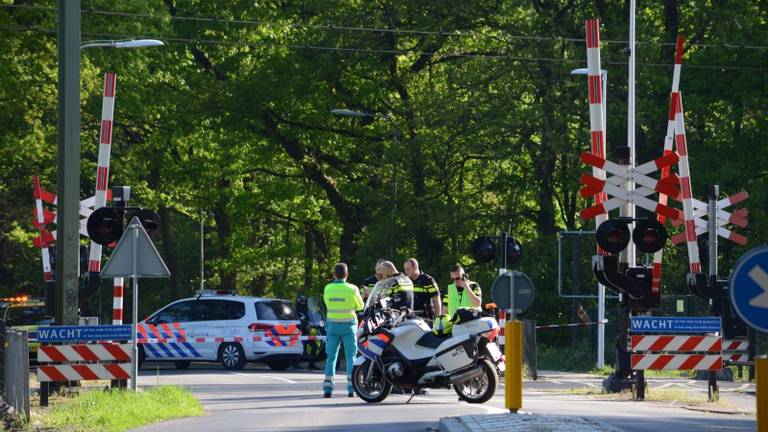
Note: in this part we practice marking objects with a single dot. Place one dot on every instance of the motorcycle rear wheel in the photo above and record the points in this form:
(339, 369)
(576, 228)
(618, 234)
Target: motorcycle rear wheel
(479, 390)
(373, 388)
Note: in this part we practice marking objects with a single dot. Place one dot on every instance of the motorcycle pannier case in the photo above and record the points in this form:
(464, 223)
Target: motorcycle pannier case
(457, 355)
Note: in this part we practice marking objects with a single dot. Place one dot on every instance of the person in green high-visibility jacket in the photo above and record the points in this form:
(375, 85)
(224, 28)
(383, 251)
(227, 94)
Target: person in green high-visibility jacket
(462, 293)
(341, 300)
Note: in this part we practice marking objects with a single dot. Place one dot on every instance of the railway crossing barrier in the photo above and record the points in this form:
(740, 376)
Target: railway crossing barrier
(81, 362)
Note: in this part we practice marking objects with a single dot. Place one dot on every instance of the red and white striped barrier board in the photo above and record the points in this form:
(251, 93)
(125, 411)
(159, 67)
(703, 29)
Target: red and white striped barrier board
(736, 345)
(736, 350)
(118, 356)
(676, 343)
(84, 353)
(77, 372)
(677, 361)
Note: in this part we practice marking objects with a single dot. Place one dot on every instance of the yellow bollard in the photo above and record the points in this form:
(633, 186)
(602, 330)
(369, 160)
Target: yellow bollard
(761, 391)
(513, 377)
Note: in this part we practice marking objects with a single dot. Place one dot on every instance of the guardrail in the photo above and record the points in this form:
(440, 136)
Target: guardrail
(15, 362)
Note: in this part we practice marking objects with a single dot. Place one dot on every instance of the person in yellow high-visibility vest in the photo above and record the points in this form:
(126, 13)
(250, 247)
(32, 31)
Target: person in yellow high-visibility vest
(462, 293)
(341, 300)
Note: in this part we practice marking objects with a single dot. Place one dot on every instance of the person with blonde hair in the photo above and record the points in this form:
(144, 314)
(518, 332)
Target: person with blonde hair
(395, 285)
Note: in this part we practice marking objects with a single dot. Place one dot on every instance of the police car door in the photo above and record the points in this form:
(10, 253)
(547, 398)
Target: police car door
(223, 320)
(164, 336)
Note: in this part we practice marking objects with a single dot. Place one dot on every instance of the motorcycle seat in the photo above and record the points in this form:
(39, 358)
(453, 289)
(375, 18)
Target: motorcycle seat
(431, 340)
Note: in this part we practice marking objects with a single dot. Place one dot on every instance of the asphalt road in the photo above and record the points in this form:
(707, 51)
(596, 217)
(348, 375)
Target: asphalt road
(257, 399)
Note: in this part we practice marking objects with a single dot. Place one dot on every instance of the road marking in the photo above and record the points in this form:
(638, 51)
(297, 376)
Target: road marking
(265, 376)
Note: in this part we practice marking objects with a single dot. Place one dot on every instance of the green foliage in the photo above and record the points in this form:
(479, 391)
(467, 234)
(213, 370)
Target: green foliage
(120, 410)
(477, 128)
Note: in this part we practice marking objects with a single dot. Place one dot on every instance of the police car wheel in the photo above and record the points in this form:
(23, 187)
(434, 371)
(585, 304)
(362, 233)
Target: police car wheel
(182, 364)
(232, 356)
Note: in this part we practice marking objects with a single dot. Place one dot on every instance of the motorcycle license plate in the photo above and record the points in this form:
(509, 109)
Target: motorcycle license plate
(494, 351)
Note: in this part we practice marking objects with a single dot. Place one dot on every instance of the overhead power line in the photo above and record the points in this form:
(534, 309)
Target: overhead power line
(374, 51)
(330, 27)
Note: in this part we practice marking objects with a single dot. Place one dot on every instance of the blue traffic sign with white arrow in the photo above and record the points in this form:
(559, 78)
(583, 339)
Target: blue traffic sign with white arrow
(749, 288)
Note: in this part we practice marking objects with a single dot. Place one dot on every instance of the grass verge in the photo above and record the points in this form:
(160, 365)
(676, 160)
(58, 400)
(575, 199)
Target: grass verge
(118, 410)
(676, 396)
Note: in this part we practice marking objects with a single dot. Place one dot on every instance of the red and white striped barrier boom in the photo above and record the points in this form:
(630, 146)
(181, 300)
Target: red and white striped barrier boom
(102, 167)
(119, 354)
(596, 120)
(694, 263)
(665, 171)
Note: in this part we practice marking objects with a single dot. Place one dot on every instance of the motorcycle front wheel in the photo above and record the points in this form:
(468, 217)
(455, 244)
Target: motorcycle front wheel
(369, 383)
(481, 389)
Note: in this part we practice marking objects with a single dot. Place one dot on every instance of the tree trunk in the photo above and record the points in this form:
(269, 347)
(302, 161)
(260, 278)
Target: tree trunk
(169, 248)
(224, 229)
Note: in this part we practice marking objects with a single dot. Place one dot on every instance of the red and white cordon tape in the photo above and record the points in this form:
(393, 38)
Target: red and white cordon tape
(582, 324)
(596, 114)
(502, 323)
(84, 353)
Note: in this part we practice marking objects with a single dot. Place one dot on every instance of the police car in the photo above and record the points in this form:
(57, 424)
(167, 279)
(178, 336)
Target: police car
(217, 326)
(25, 313)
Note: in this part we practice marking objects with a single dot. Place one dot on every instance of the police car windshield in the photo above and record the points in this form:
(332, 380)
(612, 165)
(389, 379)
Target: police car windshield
(27, 315)
(275, 311)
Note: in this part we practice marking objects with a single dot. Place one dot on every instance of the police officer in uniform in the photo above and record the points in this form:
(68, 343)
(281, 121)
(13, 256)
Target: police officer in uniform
(341, 300)
(426, 294)
(395, 285)
(368, 283)
(462, 293)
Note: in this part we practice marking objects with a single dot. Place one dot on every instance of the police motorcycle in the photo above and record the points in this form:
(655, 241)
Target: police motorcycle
(312, 324)
(400, 349)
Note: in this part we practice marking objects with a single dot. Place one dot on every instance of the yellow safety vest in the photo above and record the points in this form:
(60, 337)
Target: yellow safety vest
(453, 300)
(342, 299)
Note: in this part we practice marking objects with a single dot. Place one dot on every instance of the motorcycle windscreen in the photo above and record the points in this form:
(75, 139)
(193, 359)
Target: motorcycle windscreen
(372, 346)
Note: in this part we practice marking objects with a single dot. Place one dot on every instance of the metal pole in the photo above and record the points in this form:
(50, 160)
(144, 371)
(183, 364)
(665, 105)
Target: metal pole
(68, 161)
(714, 192)
(601, 287)
(202, 253)
(135, 312)
(761, 390)
(630, 208)
(503, 253)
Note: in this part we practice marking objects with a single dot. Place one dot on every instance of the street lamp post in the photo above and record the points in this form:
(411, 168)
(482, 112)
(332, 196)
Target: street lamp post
(344, 112)
(600, 287)
(68, 155)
